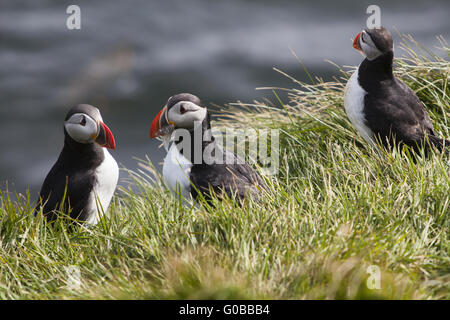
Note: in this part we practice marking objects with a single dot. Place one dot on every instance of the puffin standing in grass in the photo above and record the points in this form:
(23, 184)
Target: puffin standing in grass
(195, 164)
(83, 179)
(382, 107)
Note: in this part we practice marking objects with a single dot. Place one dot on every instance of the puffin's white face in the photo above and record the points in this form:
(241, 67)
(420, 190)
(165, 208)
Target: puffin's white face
(82, 128)
(368, 48)
(84, 124)
(182, 111)
(184, 114)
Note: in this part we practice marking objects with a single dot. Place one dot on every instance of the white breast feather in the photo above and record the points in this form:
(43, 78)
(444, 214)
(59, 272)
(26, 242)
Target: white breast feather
(354, 107)
(176, 172)
(107, 176)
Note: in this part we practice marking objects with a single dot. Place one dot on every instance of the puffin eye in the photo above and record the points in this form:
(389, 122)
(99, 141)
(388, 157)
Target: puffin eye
(182, 109)
(362, 37)
(83, 121)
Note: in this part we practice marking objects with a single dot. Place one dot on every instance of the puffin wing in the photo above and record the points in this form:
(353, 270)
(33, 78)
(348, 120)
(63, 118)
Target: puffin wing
(233, 177)
(76, 185)
(52, 191)
(398, 112)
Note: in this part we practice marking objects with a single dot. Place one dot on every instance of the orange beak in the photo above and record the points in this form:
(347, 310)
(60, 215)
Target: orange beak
(105, 137)
(160, 125)
(356, 42)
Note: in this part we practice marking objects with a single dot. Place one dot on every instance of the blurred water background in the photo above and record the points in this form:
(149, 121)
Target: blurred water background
(130, 56)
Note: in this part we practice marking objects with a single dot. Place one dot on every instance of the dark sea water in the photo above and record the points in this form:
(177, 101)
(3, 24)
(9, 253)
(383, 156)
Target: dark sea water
(130, 56)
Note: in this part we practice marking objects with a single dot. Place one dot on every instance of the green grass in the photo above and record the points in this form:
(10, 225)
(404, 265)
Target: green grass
(335, 208)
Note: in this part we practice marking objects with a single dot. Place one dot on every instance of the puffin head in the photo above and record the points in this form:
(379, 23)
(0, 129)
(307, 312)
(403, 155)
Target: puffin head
(373, 42)
(84, 124)
(181, 111)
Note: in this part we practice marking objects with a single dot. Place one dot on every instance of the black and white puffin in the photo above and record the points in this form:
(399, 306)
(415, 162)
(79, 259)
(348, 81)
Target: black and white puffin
(382, 107)
(189, 170)
(85, 170)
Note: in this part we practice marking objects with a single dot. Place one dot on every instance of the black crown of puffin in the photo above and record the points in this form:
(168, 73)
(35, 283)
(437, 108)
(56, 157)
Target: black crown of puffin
(161, 125)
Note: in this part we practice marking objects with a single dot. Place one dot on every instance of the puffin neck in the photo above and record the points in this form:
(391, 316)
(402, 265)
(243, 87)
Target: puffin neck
(90, 152)
(374, 71)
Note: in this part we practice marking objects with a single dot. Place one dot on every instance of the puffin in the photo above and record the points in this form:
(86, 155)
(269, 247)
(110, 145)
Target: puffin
(195, 165)
(381, 107)
(84, 178)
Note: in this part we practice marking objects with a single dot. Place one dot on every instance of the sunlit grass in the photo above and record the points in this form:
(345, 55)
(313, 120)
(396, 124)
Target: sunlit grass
(335, 208)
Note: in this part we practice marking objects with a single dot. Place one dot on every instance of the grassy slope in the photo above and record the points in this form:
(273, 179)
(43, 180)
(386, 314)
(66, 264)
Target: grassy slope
(335, 208)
